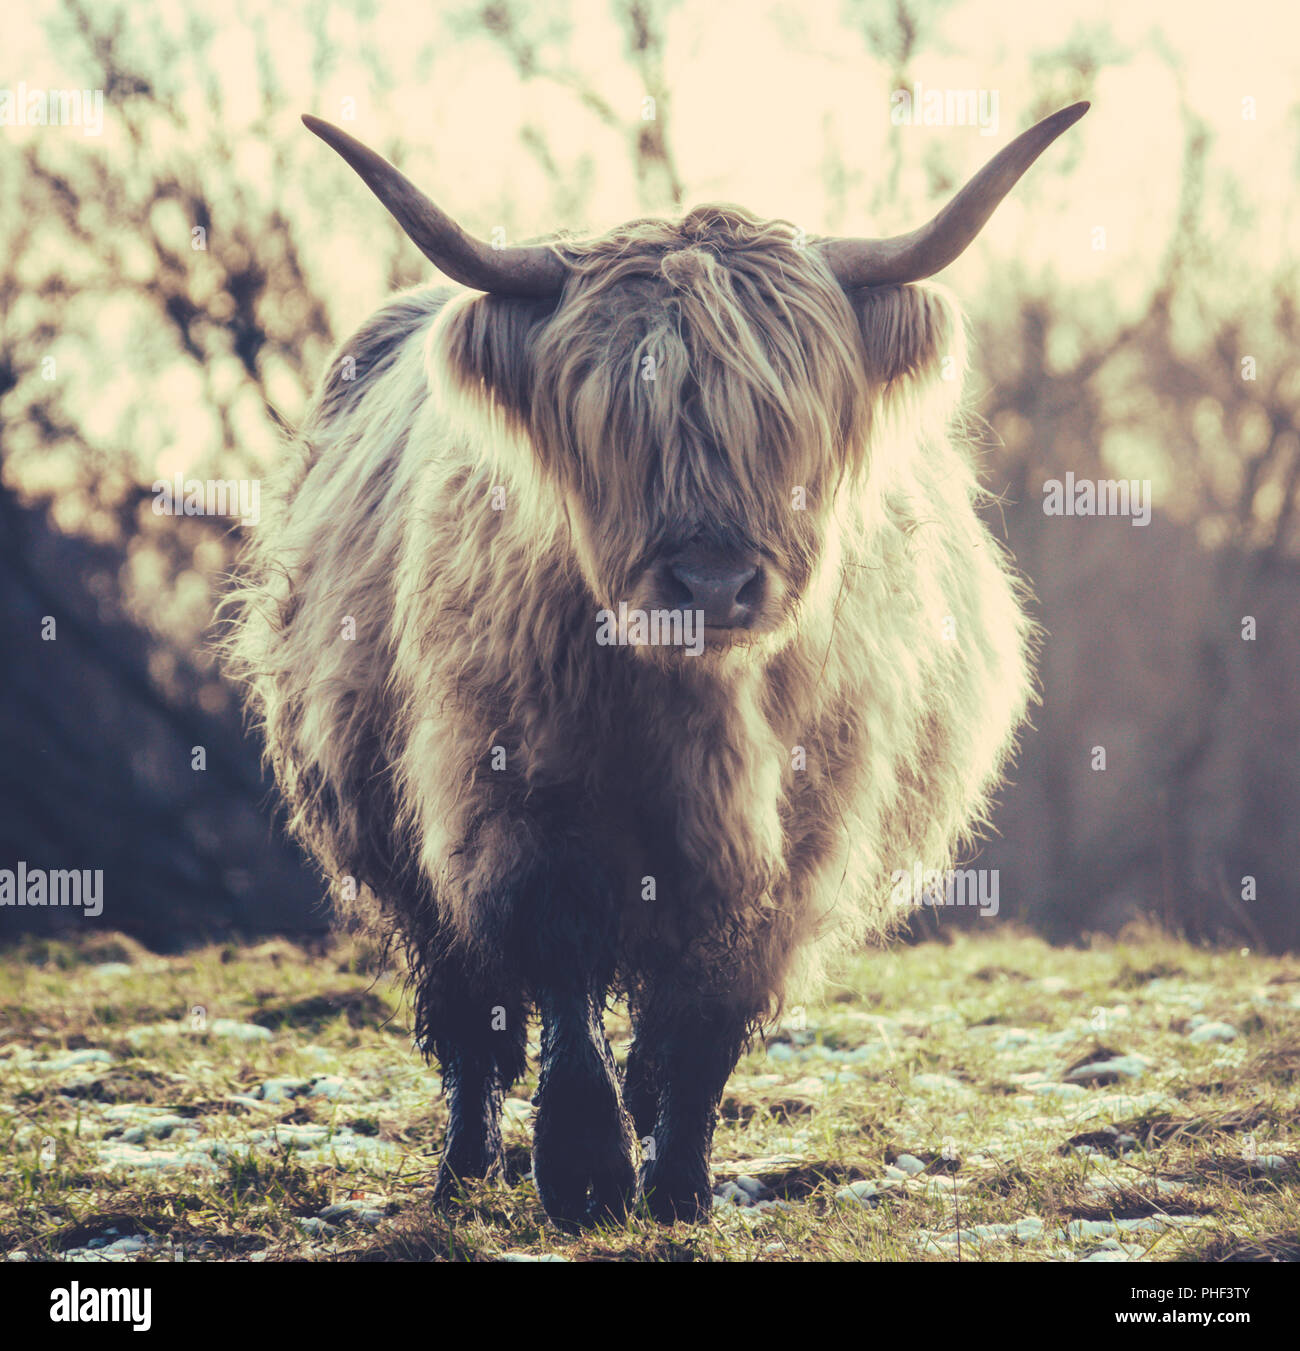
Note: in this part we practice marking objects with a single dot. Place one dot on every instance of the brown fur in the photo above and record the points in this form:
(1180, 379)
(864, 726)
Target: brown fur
(702, 378)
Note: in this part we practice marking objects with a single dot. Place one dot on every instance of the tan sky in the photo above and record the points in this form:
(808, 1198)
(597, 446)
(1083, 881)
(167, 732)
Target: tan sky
(759, 91)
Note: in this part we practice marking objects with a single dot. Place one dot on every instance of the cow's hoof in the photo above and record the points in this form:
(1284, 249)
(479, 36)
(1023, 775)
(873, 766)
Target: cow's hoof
(462, 1165)
(582, 1147)
(677, 1192)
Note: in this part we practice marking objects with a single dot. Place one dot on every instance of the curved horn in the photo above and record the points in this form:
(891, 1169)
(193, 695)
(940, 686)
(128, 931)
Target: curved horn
(524, 270)
(923, 252)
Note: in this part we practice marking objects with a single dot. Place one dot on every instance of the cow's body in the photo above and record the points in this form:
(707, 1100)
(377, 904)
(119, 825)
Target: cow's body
(545, 817)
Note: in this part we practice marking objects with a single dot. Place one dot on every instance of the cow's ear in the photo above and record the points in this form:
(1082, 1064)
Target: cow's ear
(914, 341)
(485, 346)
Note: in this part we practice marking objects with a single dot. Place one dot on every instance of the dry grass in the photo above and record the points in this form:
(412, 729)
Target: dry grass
(977, 1058)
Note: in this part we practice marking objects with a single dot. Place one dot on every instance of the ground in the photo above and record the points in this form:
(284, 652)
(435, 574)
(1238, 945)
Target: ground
(988, 1098)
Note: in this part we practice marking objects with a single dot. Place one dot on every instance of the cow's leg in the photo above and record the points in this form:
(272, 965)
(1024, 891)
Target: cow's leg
(641, 1086)
(693, 1044)
(582, 1139)
(479, 1043)
(565, 935)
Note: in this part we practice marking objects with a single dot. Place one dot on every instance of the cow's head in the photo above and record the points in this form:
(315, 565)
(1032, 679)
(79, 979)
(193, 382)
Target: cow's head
(701, 393)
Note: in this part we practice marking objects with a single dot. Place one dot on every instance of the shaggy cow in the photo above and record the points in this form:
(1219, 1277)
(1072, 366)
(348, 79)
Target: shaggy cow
(625, 625)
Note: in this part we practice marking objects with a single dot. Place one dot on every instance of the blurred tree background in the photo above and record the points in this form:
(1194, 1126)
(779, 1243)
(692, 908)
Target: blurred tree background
(171, 285)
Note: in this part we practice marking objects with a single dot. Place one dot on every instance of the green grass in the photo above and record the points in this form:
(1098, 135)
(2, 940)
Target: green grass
(1207, 1133)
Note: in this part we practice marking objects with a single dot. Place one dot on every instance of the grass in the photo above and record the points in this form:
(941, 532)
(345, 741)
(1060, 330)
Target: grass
(239, 1092)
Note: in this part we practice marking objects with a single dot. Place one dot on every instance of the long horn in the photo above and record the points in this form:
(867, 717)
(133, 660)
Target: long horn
(923, 252)
(524, 270)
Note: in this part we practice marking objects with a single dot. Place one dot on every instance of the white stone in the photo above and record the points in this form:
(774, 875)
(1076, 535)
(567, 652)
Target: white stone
(157, 1127)
(1208, 1032)
(366, 1212)
(67, 1059)
(1126, 1066)
(281, 1090)
(864, 1193)
(942, 1083)
(1047, 1090)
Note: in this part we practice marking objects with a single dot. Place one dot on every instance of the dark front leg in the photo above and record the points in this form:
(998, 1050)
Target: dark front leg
(694, 1050)
(582, 1139)
(641, 1088)
(564, 937)
(479, 1045)
(472, 1147)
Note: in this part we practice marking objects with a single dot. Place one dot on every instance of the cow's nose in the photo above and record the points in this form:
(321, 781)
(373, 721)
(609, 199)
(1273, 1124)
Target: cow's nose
(728, 593)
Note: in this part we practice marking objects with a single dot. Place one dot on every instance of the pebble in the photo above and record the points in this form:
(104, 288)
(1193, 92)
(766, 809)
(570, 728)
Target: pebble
(910, 1164)
(219, 1027)
(228, 1027)
(863, 1193)
(1209, 1032)
(291, 1133)
(1083, 1229)
(158, 1127)
(106, 1250)
(281, 1090)
(68, 1059)
(112, 1157)
(942, 1083)
(1130, 1104)
(332, 1086)
(530, 1257)
(1126, 1066)
(364, 1212)
(1049, 1090)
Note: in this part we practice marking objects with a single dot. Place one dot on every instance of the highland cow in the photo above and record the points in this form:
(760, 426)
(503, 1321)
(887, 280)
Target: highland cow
(713, 417)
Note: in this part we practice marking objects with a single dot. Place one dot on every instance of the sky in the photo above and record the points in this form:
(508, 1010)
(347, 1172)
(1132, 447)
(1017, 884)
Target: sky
(763, 97)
